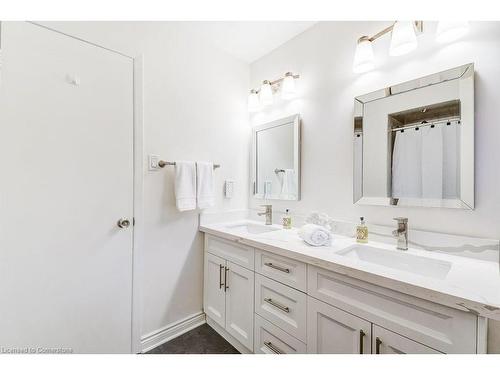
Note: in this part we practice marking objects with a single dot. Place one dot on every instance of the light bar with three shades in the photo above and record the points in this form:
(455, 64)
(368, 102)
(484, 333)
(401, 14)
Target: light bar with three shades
(403, 40)
(265, 95)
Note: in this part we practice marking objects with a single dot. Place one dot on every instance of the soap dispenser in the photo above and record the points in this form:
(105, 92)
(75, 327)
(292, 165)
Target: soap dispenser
(362, 231)
(287, 220)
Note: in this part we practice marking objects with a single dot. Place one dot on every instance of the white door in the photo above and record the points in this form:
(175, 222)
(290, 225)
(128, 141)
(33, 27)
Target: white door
(334, 331)
(388, 342)
(214, 296)
(66, 162)
(239, 303)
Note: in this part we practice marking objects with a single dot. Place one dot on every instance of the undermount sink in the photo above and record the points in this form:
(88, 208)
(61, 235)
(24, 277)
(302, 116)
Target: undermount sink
(398, 260)
(251, 228)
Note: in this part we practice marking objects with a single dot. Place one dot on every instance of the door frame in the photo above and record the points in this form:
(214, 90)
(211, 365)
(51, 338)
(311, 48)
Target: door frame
(138, 185)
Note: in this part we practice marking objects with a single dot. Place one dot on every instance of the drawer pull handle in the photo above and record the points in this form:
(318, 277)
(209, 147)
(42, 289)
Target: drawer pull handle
(361, 336)
(277, 305)
(226, 286)
(273, 348)
(282, 269)
(377, 345)
(221, 284)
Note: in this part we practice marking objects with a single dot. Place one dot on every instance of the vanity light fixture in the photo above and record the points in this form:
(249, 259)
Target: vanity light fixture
(253, 101)
(448, 31)
(288, 88)
(403, 38)
(364, 60)
(265, 95)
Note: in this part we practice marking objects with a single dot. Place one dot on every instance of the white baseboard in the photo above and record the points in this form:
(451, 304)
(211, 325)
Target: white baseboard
(167, 333)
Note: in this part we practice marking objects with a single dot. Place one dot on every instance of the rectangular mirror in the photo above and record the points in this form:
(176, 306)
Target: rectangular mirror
(276, 159)
(414, 142)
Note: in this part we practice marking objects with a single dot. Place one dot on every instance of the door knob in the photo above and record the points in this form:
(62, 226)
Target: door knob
(123, 223)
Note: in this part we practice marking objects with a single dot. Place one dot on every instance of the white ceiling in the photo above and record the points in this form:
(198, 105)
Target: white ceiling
(247, 40)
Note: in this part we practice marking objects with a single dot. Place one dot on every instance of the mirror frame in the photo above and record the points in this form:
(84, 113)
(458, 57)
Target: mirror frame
(295, 120)
(467, 164)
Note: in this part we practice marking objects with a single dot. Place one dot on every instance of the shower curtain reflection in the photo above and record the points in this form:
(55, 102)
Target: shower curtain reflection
(426, 164)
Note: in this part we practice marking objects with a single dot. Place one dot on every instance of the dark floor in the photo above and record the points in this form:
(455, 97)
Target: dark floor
(201, 340)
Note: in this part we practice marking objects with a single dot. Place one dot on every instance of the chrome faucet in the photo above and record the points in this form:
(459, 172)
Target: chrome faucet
(268, 213)
(401, 233)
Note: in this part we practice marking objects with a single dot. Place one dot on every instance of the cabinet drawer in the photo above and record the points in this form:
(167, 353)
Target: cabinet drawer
(269, 339)
(442, 328)
(282, 269)
(284, 306)
(231, 251)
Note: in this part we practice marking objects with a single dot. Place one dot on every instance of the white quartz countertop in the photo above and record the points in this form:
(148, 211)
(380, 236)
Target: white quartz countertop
(470, 284)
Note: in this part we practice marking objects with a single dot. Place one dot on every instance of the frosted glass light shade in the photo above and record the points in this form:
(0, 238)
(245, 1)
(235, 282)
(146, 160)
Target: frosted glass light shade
(448, 31)
(253, 101)
(266, 93)
(403, 38)
(288, 86)
(364, 60)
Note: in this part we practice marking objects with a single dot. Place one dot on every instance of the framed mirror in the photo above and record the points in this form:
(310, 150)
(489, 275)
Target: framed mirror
(414, 142)
(276, 159)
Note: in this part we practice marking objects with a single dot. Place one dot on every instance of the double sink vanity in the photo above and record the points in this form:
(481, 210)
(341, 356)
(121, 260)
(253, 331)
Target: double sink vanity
(266, 291)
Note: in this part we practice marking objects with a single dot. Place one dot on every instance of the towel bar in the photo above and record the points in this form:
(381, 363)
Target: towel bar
(163, 164)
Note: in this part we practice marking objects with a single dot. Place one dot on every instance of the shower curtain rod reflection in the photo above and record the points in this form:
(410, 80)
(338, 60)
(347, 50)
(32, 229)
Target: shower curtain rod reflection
(163, 164)
(425, 123)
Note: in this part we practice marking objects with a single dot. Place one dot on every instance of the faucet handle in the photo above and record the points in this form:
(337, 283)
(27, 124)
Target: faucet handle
(401, 220)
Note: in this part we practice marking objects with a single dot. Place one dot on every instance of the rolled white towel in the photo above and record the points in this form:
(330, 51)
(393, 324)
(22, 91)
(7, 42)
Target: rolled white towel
(315, 235)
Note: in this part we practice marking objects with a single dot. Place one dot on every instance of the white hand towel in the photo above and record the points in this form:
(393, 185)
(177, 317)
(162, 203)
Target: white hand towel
(205, 184)
(315, 235)
(185, 185)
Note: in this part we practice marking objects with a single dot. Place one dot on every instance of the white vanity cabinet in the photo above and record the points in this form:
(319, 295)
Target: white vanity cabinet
(273, 304)
(436, 326)
(228, 297)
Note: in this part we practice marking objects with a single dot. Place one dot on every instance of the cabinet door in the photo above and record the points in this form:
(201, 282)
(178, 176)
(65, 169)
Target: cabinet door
(239, 303)
(388, 342)
(214, 298)
(334, 331)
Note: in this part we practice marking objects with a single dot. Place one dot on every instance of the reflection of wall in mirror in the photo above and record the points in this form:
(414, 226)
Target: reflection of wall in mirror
(274, 150)
(376, 143)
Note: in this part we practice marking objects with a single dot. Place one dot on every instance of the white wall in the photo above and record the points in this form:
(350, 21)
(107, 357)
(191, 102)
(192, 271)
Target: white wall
(194, 109)
(323, 56)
